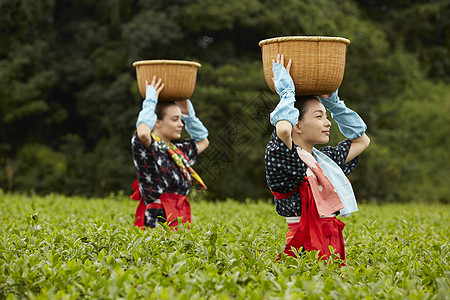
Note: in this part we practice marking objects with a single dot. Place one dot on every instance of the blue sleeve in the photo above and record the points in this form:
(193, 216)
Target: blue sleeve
(284, 86)
(349, 122)
(194, 126)
(147, 115)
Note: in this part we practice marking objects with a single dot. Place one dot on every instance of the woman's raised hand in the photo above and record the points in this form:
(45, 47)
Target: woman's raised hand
(325, 96)
(184, 106)
(158, 85)
(328, 96)
(282, 80)
(280, 60)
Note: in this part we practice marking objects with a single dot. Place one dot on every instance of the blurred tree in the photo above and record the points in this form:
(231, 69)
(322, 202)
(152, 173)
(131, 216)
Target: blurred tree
(409, 158)
(422, 27)
(40, 168)
(26, 78)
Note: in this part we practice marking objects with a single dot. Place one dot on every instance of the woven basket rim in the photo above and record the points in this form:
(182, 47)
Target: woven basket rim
(166, 62)
(304, 38)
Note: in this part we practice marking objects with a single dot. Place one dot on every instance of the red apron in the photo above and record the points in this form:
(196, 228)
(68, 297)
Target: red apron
(313, 232)
(174, 205)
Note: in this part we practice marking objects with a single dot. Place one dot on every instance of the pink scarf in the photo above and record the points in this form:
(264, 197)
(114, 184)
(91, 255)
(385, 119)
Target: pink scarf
(325, 196)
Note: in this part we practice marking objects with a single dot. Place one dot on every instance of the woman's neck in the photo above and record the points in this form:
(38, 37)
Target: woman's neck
(302, 144)
(163, 138)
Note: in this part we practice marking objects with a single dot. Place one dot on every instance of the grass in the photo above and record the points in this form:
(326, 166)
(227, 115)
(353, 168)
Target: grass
(59, 247)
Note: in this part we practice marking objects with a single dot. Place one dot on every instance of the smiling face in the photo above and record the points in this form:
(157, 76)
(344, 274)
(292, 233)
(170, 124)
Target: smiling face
(313, 127)
(169, 126)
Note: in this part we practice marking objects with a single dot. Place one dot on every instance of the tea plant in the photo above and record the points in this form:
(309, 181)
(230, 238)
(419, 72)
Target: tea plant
(56, 247)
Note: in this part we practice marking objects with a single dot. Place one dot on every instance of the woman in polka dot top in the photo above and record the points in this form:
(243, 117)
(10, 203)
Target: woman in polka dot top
(304, 180)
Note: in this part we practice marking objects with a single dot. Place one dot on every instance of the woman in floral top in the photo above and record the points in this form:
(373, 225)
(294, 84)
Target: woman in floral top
(310, 185)
(163, 168)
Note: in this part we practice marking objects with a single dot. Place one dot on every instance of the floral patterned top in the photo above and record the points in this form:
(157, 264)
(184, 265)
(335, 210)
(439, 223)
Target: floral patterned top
(285, 171)
(157, 172)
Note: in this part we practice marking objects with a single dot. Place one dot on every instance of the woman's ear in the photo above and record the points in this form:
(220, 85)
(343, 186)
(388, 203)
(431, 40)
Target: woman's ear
(158, 123)
(297, 128)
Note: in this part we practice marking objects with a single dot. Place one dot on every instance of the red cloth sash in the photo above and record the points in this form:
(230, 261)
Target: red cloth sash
(139, 217)
(280, 196)
(175, 206)
(313, 232)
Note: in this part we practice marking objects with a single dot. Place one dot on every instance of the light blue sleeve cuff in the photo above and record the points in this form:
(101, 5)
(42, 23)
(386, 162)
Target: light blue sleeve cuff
(147, 115)
(349, 122)
(286, 111)
(282, 80)
(330, 102)
(284, 86)
(194, 126)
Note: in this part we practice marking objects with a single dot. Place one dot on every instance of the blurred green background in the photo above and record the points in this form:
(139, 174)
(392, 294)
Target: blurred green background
(69, 97)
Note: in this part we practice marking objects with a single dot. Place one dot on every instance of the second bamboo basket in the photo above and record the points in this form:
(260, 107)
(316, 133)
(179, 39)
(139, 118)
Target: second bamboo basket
(318, 62)
(179, 77)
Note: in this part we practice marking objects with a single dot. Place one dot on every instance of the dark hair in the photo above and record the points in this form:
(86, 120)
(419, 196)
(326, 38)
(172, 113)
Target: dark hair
(161, 108)
(300, 104)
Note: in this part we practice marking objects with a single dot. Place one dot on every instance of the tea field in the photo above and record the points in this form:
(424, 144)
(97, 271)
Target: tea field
(59, 247)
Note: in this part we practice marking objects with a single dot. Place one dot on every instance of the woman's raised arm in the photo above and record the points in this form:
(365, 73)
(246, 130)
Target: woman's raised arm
(193, 125)
(147, 116)
(285, 115)
(349, 122)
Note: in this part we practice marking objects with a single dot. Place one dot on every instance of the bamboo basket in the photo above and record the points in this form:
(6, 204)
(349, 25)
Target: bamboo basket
(179, 77)
(318, 62)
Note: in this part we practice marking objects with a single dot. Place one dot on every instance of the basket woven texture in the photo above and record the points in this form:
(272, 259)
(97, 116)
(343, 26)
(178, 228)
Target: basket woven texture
(318, 62)
(179, 77)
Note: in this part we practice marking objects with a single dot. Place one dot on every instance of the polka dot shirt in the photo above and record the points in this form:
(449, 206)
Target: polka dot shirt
(285, 171)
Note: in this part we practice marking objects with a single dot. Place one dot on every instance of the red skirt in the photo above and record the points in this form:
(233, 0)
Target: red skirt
(313, 232)
(175, 206)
